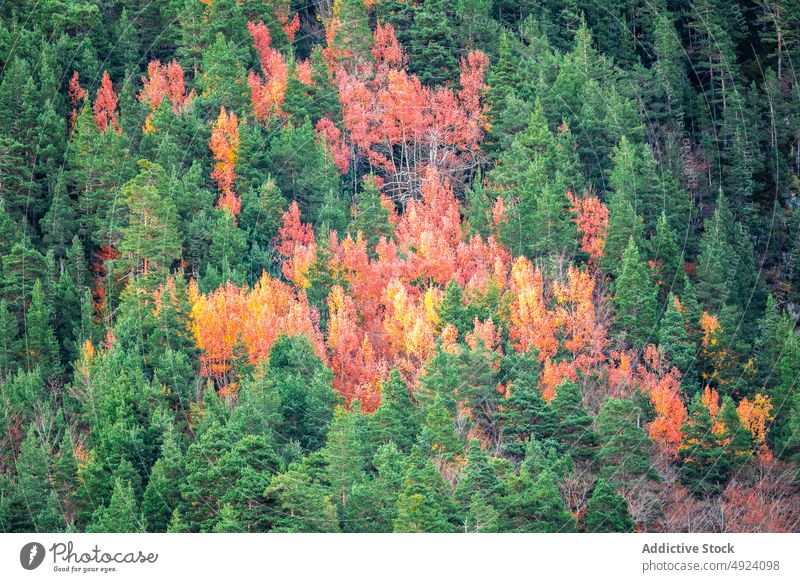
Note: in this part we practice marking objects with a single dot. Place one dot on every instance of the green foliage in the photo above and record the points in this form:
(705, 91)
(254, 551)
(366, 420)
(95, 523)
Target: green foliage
(423, 504)
(533, 504)
(39, 344)
(33, 505)
(635, 301)
(574, 425)
(121, 514)
(397, 420)
(607, 511)
(371, 218)
(162, 493)
(673, 337)
(625, 447)
(681, 119)
(438, 437)
(302, 171)
(431, 44)
(299, 504)
(150, 241)
(346, 453)
(302, 386)
(526, 416)
(705, 467)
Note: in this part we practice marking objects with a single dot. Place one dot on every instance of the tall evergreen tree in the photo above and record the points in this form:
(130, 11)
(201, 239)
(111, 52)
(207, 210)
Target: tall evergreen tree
(635, 298)
(705, 467)
(574, 429)
(431, 44)
(624, 448)
(607, 511)
(39, 344)
(397, 420)
(151, 241)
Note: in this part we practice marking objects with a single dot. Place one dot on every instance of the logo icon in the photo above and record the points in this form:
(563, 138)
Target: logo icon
(31, 555)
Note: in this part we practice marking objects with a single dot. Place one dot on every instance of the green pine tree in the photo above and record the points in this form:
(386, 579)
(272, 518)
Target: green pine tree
(704, 467)
(607, 511)
(121, 515)
(625, 447)
(574, 428)
(151, 241)
(397, 420)
(635, 298)
(39, 344)
(432, 49)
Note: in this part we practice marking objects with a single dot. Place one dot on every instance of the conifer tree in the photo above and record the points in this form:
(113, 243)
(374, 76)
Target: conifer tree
(121, 515)
(477, 479)
(151, 240)
(607, 511)
(67, 303)
(624, 448)
(346, 453)
(635, 298)
(371, 217)
(665, 255)
(397, 419)
(431, 44)
(526, 415)
(354, 36)
(438, 437)
(99, 165)
(39, 344)
(739, 445)
(303, 385)
(574, 428)
(623, 224)
(299, 504)
(716, 258)
(8, 340)
(33, 505)
(301, 169)
(423, 504)
(162, 493)
(23, 266)
(673, 338)
(534, 505)
(705, 467)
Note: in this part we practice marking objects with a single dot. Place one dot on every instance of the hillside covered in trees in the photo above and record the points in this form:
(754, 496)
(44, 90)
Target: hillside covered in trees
(399, 266)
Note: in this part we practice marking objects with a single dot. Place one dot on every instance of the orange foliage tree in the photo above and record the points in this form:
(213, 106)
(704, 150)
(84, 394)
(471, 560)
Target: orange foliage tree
(662, 384)
(224, 146)
(76, 94)
(395, 123)
(253, 318)
(591, 216)
(267, 93)
(105, 105)
(755, 416)
(164, 81)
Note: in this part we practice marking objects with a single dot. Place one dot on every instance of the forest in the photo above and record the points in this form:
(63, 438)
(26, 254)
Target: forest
(399, 266)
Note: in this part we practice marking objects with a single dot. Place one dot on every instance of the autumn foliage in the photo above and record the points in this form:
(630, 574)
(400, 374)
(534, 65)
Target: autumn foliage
(224, 146)
(362, 278)
(105, 105)
(267, 91)
(394, 122)
(253, 318)
(164, 81)
(76, 94)
(591, 216)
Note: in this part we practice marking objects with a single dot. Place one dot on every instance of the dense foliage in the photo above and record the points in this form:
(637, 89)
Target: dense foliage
(395, 265)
